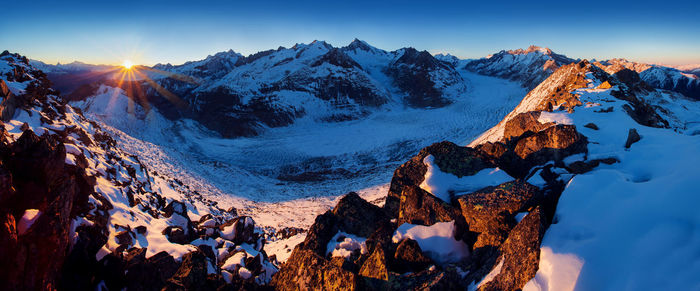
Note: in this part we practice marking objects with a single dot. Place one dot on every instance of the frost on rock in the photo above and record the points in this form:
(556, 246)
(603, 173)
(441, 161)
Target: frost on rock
(437, 241)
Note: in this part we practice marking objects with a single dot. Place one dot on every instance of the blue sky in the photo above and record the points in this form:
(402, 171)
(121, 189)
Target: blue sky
(177, 31)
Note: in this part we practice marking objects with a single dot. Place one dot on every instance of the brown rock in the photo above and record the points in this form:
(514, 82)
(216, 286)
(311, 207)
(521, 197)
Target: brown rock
(375, 266)
(420, 207)
(490, 212)
(520, 254)
(523, 123)
(409, 257)
(305, 270)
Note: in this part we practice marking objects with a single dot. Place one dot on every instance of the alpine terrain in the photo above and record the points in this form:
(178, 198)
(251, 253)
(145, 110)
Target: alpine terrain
(317, 167)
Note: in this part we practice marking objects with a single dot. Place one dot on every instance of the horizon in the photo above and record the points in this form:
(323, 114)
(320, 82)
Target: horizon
(163, 32)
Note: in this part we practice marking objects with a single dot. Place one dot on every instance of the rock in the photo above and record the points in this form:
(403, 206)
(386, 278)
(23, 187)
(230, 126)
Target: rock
(175, 207)
(176, 234)
(409, 257)
(420, 207)
(140, 229)
(605, 85)
(306, 270)
(520, 254)
(449, 157)
(192, 274)
(591, 126)
(148, 274)
(320, 233)
(232, 210)
(559, 137)
(42, 181)
(375, 266)
(124, 238)
(490, 212)
(239, 230)
(522, 123)
(632, 137)
(357, 216)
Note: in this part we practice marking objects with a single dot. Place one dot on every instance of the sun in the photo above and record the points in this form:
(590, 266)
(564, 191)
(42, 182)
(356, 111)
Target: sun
(127, 64)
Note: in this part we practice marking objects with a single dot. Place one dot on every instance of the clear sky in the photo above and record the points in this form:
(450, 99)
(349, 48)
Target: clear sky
(149, 32)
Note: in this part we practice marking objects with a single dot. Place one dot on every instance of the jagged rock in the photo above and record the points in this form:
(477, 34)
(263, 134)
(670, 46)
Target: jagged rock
(409, 257)
(176, 234)
(239, 230)
(124, 238)
(192, 274)
(632, 137)
(307, 270)
(420, 207)
(148, 274)
(522, 123)
(580, 167)
(553, 143)
(357, 216)
(490, 212)
(140, 229)
(42, 181)
(449, 157)
(430, 279)
(175, 207)
(520, 254)
(375, 267)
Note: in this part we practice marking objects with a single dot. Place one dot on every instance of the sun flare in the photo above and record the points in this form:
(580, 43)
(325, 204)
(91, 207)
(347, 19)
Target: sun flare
(127, 64)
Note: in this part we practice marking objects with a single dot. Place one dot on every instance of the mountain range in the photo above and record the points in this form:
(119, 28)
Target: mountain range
(523, 170)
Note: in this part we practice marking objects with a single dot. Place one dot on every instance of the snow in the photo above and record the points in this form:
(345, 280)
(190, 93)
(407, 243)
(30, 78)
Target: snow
(442, 184)
(282, 248)
(489, 277)
(238, 259)
(437, 241)
(28, 218)
(344, 247)
(556, 272)
(372, 147)
(558, 118)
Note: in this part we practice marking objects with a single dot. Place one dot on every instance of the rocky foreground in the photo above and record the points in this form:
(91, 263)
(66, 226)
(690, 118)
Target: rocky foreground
(452, 218)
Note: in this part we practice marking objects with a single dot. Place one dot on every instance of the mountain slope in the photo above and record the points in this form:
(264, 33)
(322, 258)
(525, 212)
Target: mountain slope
(241, 96)
(558, 196)
(660, 77)
(78, 212)
(529, 67)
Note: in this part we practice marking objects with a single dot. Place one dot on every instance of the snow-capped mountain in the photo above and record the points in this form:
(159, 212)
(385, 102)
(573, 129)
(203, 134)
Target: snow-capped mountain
(558, 196)
(240, 96)
(528, 66)
(660, 77)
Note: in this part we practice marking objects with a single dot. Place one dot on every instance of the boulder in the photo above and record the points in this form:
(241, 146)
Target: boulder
(520, 254)
(306, 270)
(522, 123)
(357, 216)
(632, 137)
(420, 207)
(409, 257)
(192, 274)
(490, 212)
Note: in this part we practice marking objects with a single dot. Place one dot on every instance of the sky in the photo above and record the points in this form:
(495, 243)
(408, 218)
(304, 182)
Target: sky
(150, 32)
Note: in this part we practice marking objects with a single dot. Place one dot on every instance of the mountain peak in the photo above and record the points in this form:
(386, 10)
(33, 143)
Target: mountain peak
(359, 44)
(531, 49)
